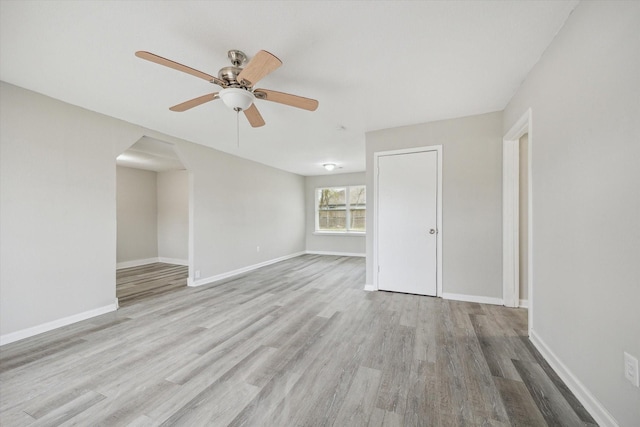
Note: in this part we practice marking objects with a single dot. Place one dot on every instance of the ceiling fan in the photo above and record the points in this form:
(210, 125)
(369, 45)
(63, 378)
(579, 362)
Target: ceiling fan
(237, 84)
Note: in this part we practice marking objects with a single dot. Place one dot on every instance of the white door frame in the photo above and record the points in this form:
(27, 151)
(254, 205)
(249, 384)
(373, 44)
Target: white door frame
(439, 234)
(511, 214)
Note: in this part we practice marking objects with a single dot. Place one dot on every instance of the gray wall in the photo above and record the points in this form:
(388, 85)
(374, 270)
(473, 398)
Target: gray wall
(585, 99)
(348, 244)
(137, 213)
(58, 208)
(173, 215)
(471, 197)
(239, 205)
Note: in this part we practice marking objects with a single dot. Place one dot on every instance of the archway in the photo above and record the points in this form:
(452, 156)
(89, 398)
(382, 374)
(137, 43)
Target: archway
(152, 208)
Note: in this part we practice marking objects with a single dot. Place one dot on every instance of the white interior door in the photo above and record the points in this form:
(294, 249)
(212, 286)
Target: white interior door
(407, 222)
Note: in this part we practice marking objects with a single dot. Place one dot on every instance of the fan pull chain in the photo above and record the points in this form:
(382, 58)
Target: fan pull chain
(238, 127)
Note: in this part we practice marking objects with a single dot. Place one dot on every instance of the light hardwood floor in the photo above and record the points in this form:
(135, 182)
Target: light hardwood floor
(138, 283)
(296, 343)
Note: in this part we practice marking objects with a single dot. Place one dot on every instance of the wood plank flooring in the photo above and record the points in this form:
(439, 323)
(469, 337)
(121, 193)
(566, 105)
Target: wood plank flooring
(138, 283)
(298, 343)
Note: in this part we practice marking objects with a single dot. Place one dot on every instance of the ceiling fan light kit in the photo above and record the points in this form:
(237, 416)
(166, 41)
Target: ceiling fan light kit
(237, 99)
(237, 84)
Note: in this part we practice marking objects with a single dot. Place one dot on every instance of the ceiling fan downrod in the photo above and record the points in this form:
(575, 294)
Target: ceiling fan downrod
(237, 57)
(230, 74)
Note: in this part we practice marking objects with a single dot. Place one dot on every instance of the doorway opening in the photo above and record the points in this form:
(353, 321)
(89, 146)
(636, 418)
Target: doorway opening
(518, 216)
(153, 221)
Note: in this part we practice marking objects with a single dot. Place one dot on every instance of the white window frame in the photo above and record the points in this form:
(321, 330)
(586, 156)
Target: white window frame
(347, 232)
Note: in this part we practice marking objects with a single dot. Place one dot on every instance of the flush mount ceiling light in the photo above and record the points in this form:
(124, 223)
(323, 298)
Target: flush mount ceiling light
(329, 166)
(236, 98)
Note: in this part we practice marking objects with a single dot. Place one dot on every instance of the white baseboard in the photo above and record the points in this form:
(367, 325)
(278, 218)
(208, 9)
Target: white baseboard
(175, 261)
(140, 262)
(473, 298)
(335, 253)
(524, 303)
(135, 263)
(228, 274)
(46, 327)
(459, 297)
(591, 404)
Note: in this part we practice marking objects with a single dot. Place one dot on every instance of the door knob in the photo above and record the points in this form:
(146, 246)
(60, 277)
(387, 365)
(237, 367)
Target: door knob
(432, 231)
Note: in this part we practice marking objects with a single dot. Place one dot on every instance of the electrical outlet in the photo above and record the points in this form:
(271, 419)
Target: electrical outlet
(631, 369)
(197, 274)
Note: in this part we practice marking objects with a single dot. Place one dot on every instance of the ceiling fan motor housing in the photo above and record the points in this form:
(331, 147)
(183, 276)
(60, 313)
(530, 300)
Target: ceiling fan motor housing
(229, 75)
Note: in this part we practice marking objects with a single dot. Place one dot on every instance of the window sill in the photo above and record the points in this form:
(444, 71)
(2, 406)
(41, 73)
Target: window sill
(340, 233)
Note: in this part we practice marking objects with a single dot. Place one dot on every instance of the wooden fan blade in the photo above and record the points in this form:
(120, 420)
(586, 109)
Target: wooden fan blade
(254, 116)
(287, 99)
(262, 64)
(177, 66)
(194, 102)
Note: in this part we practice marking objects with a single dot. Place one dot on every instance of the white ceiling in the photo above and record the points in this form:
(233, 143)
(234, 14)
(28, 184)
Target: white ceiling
(150, 154)
(371, 65)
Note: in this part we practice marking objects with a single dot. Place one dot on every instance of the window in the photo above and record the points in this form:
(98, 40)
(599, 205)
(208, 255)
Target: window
(341, 209)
